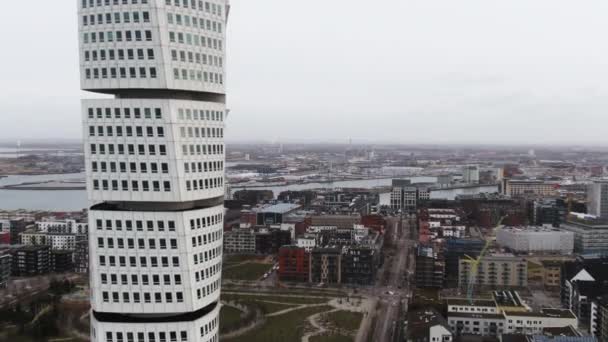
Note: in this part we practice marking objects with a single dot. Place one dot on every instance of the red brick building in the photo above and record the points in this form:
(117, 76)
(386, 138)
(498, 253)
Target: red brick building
(294, 264)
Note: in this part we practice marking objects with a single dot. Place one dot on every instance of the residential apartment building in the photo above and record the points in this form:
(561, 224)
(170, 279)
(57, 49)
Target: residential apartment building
(154, 159)
(495, 271)
(239, 240)
(583, 281)
(359, 265)
(57, 241)
(599, 319)
(405, 195)
(61, 261)
(62, 226)
(503, 315)
(5, 269)
(294, 264)
(31, 261)
(326, 266)
(456, 249)
(430, 268)
(521, 188)
(81, 257)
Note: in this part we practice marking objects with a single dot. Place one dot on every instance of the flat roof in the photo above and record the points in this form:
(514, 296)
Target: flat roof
(280, 208)
(474, 302)
(475, 315)
(548, 312)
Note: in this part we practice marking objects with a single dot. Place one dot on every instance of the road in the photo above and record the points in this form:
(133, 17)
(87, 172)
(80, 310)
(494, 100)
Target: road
(393, 289)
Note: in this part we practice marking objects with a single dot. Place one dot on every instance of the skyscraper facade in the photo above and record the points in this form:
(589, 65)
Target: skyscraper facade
(154, 153)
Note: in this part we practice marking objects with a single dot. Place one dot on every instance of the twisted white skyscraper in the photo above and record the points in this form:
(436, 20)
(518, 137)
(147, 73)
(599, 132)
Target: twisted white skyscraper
(154, 165)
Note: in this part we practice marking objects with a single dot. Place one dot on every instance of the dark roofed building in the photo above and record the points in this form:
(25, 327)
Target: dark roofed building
(427, 325)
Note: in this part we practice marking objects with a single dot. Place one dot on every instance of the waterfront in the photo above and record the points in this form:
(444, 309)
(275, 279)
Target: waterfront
(55, 200)
(70, 200)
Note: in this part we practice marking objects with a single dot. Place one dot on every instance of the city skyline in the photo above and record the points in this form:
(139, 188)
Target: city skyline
(412, 67)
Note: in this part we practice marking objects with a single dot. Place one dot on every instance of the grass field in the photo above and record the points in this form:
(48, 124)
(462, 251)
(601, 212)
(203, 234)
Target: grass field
(249, 271)
(229, 318)
(278, 298)
(268, 308)
(238, 258)
(283, 328)
(331, 338)
(345, 320)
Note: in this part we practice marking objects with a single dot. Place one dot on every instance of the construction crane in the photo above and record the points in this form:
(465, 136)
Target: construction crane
(474, 262)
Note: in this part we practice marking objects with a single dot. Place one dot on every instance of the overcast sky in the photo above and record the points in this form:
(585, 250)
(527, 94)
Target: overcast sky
(485, 71)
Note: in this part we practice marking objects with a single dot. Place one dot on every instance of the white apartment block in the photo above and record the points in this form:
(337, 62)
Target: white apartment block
(57, 241)
(519, 188)
(488, 318)
(536, 240)
(154, 157)
(494, 271)
(64, 226)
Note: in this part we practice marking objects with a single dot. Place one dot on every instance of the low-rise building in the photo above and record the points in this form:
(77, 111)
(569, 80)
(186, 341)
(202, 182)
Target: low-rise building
(273, 214)
(505, 314)
(535, 322)
(427, 326)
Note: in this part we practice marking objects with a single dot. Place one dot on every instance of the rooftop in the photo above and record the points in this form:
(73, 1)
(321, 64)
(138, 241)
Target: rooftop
(420, 321)
(474, 302)
(476, 315)
(507, 298)
(280, 208)
(548, 312)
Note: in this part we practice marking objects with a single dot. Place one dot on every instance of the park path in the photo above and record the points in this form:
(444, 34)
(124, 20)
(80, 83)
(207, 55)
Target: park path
(254, 294)
(320, 329)
(303, 306)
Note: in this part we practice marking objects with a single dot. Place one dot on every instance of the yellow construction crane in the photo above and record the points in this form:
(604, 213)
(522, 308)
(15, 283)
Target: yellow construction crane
(474, 262)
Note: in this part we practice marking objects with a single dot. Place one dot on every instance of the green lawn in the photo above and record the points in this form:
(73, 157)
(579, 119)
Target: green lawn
(268, 308)
(278, 298)
(331, 338)
(345, 320)
(282, 328)
(249, 271)
(229, 318)
(237, 258)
